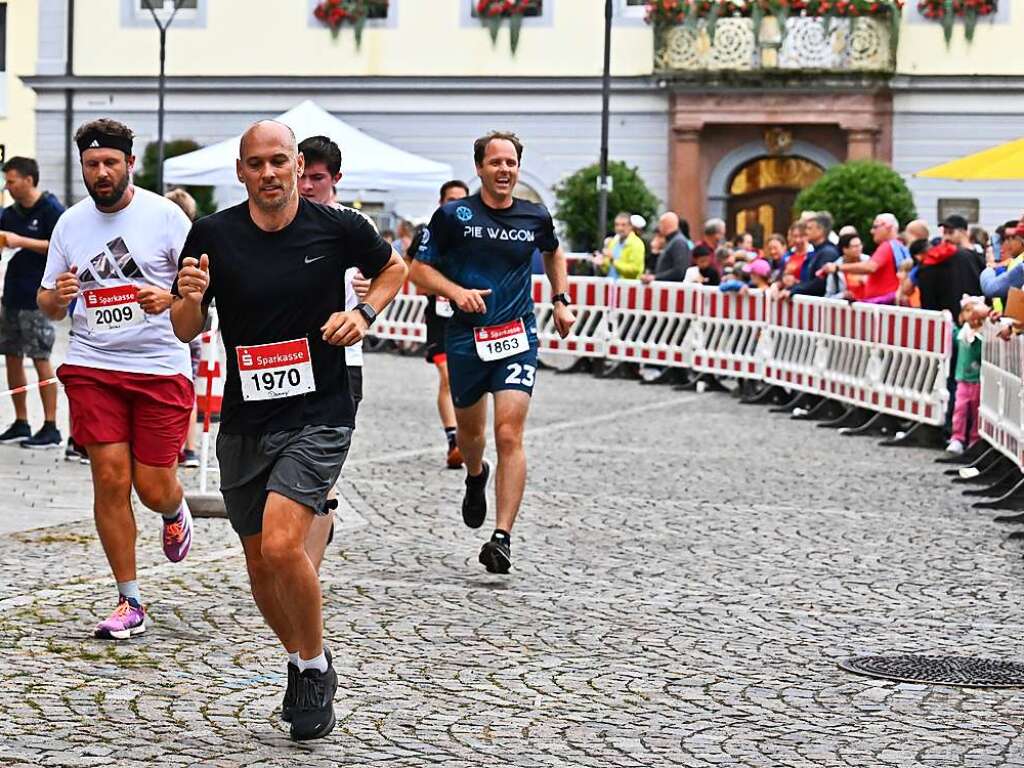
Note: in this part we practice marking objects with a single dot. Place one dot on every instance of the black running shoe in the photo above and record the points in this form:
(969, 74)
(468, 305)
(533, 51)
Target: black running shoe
(474, 503)
(313, 715)
(17, 432)
(291, 692)
(47, 437)
(75, 452)
(496, 554)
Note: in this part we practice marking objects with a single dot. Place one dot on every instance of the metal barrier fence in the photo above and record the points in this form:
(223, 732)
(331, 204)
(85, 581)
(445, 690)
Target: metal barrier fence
(891, 360)
(1001, 416)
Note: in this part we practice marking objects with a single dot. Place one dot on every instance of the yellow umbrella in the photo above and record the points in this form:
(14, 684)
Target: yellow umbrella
(1001, 163)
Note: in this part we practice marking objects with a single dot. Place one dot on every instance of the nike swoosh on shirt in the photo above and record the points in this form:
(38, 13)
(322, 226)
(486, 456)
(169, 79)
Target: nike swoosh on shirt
(310, 261)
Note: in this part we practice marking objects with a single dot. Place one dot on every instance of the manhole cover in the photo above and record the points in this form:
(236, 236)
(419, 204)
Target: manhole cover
(962, 671)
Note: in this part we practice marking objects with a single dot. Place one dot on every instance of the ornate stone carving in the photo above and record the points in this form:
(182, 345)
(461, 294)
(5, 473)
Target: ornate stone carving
(861, 44)
(689, 49)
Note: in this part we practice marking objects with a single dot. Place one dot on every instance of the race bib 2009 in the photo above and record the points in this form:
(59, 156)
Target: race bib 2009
(496, 342)
(112, 309)
(273, 371)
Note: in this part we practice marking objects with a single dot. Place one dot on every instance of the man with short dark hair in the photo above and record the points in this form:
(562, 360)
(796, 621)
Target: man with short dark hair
(320, 177)
(438, 312)
(812, 273)
(275, 265)
(113, 255)
(25, 331)
(478, 253)
(949, 270)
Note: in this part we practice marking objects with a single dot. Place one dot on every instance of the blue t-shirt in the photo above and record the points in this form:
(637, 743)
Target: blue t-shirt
(476, 246)
(25, 271)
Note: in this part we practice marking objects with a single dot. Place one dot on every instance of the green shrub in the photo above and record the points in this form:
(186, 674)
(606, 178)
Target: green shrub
(146, 178)
(854, 193)
(576, 201)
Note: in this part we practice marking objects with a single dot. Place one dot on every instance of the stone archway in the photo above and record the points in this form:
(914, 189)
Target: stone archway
(715, 130)
(724, 171)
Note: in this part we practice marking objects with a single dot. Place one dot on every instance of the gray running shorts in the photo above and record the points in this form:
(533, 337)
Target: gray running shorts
(300, 464)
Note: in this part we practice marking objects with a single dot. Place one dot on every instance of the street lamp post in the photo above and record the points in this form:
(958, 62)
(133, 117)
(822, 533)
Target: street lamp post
(606, 83)
(160, 88)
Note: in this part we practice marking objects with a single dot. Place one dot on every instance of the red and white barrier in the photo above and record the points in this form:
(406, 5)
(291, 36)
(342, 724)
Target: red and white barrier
(404, 319)
(590, 301)
(211, 371)
(725, 337)
(648, 323)
(892, 360)
(1001, 417)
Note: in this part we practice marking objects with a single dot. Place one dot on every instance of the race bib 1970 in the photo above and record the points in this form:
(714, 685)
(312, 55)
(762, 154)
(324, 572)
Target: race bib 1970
(273, 371)
(112, 309)
(496, 342)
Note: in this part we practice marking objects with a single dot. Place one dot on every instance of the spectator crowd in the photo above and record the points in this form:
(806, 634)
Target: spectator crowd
(955, 267)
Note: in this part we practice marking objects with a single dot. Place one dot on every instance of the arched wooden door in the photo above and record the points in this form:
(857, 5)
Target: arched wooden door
(762, 194)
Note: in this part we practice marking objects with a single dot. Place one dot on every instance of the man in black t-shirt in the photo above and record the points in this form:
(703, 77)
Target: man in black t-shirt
(274, 265)
(24, 330)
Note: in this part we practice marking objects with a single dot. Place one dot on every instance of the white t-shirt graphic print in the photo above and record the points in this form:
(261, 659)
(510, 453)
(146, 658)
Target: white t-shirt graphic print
(138, 245)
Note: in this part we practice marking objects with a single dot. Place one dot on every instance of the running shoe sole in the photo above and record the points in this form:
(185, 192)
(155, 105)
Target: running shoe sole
(13, 440)
(493, 559)
(43, 447)
(325, 731)
(121, 634)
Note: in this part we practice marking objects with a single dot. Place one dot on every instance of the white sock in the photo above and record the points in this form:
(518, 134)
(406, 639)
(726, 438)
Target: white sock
(319, 663)
(293, 658)
(179, 511)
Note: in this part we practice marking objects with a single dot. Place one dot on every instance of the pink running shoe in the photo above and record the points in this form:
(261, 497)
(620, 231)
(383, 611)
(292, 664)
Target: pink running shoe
(128, 619)
(178, 536)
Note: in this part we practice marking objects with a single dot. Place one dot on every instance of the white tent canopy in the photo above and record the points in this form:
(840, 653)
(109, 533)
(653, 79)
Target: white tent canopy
(367, 163)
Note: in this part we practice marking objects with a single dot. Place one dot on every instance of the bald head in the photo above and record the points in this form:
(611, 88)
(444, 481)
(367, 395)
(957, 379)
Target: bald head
(668, 223)
(270, 165)
(263, 131)
(917, 230)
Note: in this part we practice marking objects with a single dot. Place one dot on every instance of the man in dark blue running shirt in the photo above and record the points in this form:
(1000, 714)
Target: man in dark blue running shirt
(477, 253)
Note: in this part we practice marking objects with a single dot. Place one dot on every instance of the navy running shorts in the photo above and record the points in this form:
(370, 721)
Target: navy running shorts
(471, 378)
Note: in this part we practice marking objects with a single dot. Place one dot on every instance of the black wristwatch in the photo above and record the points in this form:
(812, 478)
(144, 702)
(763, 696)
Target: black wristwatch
(560, 298)
(368, 312)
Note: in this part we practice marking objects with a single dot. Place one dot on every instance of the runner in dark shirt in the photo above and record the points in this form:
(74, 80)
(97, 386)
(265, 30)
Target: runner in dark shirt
(275, 266)
(477, 252)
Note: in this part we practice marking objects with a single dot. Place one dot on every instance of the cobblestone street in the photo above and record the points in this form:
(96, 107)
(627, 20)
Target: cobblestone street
(687, 573)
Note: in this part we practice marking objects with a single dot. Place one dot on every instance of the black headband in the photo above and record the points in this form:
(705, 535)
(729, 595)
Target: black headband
(97, 140)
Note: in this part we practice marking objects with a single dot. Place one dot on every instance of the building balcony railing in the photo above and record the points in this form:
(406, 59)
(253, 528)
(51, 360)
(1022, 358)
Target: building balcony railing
(808, 43)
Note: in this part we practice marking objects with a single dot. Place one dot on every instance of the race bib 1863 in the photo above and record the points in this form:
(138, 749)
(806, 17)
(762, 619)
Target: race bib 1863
(272, 371)
(111, 309)
(496, 342)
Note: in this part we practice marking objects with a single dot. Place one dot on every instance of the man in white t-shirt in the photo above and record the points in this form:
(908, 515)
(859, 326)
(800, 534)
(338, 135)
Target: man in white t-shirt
(321, 174)
(128, 378)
